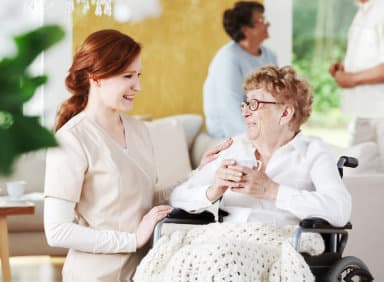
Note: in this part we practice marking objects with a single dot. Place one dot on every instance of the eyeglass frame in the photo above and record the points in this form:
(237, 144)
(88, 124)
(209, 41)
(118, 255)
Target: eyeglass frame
(262, 20)
(248, 104)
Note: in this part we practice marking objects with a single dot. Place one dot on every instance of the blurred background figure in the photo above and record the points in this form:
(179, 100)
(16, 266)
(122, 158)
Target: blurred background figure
(223, 93)
(362, 74)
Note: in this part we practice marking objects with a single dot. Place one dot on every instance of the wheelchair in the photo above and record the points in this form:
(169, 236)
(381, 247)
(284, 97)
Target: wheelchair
(330, 266)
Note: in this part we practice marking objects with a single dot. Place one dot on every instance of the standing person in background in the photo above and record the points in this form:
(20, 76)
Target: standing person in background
(362, 74)
(223, 87)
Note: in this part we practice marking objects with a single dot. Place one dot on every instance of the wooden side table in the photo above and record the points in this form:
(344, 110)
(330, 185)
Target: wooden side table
(9, 208)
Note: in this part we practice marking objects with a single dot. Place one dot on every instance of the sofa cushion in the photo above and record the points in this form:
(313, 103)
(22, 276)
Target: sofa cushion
(191, 124)
(202, 143)
(367, 154)
(171, 151)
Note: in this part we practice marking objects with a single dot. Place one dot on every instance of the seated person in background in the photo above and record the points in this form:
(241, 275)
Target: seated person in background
(223, 91)
(296, 176)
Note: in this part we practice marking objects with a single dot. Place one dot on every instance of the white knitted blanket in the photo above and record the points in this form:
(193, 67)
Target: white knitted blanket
(229, 252)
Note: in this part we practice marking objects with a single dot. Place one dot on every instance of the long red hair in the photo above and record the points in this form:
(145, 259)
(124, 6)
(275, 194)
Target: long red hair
(103, 54)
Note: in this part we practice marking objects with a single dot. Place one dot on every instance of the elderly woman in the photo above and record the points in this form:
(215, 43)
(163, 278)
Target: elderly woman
(272, 176)
(292, 177)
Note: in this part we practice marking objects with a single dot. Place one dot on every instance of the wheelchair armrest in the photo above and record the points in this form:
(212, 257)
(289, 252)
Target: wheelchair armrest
(319, 223)
(322, 226)
(345, 161)
(180, 216)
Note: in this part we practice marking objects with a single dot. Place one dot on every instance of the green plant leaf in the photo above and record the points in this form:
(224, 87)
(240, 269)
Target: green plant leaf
(20, 134)
(24, 135)
(40, 39)
(13, 97)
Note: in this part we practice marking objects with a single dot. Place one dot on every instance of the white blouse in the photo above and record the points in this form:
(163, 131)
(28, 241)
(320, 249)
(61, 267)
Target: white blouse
(310, 185)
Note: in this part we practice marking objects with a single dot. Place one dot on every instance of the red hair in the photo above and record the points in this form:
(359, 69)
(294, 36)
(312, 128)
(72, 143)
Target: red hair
(103, 54)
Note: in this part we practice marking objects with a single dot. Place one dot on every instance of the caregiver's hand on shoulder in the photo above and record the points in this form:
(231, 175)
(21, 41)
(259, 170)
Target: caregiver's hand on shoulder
(147, 224)
(212, 153)
(227, 175)
(257, 184)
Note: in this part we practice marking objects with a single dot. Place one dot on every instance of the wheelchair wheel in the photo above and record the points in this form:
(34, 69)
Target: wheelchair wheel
(349, 269)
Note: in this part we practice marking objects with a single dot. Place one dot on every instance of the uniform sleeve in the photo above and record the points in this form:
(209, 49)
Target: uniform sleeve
(61, 231)
(330, 200)
(66, 166)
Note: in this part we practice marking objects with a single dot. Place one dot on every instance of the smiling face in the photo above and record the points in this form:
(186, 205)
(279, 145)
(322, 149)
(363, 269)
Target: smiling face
(118, 92)
(266, 121)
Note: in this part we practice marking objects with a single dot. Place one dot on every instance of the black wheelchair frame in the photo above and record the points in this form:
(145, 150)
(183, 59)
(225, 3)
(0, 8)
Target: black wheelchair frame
(330, 266)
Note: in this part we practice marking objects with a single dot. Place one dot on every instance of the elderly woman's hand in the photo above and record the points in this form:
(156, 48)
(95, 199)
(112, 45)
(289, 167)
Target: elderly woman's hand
(227, 175)
(256, 184)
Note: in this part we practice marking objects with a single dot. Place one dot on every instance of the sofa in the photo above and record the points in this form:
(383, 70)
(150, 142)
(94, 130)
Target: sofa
(178, 146)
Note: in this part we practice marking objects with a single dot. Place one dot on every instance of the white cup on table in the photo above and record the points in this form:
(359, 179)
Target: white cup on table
(16, 189)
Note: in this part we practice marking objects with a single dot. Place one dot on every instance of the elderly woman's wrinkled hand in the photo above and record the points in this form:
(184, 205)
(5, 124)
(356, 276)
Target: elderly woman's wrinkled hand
(256, 183)
(227, 175)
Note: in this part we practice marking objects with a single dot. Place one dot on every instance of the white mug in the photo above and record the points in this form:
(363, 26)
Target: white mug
(250, 163)
(16, 189)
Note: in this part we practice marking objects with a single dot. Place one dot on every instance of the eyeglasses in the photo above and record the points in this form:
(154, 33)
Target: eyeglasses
(254, 104)
(261, 20)
(257, 21)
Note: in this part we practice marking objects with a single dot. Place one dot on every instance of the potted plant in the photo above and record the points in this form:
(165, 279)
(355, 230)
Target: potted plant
(19, 133)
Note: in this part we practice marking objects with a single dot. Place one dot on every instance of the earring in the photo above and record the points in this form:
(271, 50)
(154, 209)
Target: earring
(94, 78)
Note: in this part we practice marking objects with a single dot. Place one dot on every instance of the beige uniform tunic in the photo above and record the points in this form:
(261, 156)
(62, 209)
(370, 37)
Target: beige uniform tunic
(112, 186)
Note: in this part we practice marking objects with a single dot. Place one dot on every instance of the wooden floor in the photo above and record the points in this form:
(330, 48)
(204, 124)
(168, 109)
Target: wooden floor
(36, 269)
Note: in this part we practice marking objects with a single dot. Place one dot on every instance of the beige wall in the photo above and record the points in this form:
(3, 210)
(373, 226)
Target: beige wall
(177, 49)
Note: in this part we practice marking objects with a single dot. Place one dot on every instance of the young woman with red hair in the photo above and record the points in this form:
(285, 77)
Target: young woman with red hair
(99, 185)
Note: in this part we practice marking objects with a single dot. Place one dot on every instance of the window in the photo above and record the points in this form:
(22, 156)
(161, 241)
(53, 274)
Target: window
(320, 30)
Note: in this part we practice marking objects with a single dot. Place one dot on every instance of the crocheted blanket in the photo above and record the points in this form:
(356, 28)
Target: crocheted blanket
(229, 252)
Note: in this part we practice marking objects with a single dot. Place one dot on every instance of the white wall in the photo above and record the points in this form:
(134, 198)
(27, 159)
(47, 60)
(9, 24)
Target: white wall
(57, 61)
(17, 17)
(279, 14)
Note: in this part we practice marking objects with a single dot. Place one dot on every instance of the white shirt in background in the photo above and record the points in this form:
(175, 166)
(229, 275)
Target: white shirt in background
(365, 50)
